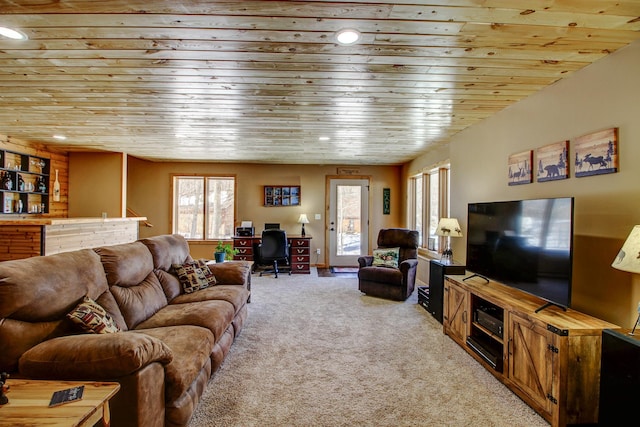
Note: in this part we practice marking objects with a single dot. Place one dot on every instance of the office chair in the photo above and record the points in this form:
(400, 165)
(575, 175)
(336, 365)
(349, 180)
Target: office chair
(273, 249)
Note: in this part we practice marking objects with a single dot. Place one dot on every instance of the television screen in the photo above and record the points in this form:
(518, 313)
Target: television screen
(526, 244)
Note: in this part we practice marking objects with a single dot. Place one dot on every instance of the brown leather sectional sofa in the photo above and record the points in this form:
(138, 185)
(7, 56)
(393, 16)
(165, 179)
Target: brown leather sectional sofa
(171, 342)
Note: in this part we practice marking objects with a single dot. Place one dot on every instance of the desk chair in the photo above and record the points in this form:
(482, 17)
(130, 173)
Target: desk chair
(273, 249)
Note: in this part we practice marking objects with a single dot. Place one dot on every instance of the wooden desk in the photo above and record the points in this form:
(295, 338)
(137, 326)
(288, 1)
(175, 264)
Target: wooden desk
(29, 404)
(300, 251)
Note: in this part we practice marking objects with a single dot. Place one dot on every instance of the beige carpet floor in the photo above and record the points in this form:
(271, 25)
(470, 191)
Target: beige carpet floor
(316, 352)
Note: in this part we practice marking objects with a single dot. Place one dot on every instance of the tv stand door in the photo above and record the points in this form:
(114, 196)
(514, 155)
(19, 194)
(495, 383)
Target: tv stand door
(456, 312)
(531, 363)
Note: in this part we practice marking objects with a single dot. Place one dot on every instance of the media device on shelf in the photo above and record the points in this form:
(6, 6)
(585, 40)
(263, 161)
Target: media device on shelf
(525, 244)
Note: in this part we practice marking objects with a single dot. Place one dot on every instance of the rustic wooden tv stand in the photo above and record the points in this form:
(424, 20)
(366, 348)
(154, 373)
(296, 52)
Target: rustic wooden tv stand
(550, 358)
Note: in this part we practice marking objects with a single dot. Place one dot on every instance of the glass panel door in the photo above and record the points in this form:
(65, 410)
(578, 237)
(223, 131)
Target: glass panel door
(348, 221)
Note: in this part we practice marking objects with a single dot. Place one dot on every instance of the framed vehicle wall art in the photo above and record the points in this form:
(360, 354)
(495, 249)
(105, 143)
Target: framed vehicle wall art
(281, 195)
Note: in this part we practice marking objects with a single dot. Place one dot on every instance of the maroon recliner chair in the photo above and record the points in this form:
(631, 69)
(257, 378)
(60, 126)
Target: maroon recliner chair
(385, 281)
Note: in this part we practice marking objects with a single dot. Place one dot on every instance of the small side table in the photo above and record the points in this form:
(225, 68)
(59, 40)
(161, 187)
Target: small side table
(29, 404)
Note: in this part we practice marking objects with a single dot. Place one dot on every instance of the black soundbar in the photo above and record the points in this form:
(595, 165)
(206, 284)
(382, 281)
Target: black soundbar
(495, 361)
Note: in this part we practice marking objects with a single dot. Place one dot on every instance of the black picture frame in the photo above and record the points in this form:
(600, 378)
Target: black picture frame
(282, 195)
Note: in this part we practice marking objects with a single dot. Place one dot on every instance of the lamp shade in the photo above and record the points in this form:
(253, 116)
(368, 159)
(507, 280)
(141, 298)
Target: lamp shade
(302, 219)
(628, 258)
(449, 227)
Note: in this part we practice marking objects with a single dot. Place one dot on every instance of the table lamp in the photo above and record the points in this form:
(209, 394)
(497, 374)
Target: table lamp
(303, 220)
(628, 259)
(448, 227)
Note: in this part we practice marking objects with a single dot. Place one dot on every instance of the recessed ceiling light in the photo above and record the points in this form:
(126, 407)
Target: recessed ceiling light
(347, 36)
(12, 34)
(59, 137)
(323, 138)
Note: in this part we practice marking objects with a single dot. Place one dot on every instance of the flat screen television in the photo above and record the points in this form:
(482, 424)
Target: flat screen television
(525, 244)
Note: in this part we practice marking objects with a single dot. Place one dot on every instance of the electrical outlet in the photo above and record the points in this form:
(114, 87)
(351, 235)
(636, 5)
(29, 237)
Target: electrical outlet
(318, 251)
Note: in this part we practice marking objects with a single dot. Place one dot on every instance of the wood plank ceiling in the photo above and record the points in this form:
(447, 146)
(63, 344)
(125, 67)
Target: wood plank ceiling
(266, 81)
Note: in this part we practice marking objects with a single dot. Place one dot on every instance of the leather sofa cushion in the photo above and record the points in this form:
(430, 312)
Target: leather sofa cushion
(138, 303)
(390, 276)
(108, 302)
(228, 275)
(167, 250)
(170, 284)
(191, 347)
(215, 316)
(136, 289)
(236, 295)
(95, 357)
(38, 289)
(127, 264)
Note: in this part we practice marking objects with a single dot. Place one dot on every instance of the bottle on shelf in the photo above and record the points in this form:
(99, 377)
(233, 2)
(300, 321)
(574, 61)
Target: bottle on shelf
(7, 182)
(41, 185)
(56, 189)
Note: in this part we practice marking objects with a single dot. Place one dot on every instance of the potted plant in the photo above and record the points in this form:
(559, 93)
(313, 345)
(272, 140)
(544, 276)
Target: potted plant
(224, 251)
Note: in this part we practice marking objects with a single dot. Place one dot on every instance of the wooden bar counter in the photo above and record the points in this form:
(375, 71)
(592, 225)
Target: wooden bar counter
(28, 237)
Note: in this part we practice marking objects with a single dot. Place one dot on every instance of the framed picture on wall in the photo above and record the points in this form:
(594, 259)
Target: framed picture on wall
(386, 201)
(281, 195)
(596, 153)
(520, 168)
(552, 161)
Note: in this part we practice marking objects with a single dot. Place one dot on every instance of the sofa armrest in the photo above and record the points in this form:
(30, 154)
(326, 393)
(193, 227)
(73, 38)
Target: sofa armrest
(408, 264)
(92, 356)
(232, 273)
(365, 261)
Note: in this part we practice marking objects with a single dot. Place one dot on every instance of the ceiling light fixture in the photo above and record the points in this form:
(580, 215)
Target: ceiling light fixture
(12, 34)
(323, 138)
(60, 137)
(347, 36)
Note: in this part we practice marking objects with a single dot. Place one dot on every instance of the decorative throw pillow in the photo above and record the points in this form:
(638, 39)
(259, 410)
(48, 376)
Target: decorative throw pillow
(93, 318)
(387, 257)
(194, 275)
(206, 271)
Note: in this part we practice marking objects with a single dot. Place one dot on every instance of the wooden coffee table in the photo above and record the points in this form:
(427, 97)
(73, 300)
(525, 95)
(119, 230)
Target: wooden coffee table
(29, 404)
